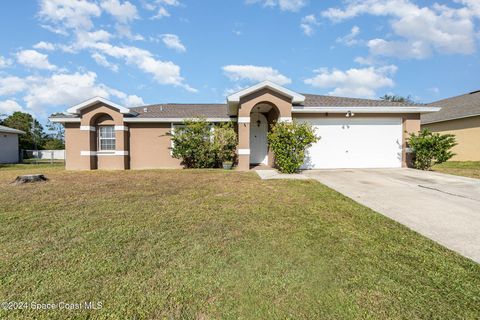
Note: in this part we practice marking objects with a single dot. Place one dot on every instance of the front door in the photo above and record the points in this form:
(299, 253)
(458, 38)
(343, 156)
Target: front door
(258, 138)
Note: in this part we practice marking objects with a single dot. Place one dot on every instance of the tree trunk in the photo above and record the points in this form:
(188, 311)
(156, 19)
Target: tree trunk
(30, 178)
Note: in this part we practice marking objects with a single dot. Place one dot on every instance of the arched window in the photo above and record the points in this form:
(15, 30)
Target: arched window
(106, 138)
(105, 133)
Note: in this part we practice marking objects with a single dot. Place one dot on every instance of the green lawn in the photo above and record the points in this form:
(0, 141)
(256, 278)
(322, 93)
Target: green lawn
(217, 245)
(460, 168)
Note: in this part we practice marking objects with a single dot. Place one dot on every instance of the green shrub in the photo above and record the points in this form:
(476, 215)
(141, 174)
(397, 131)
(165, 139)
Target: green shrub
(289, 141)
(431, 148)
(201, 147)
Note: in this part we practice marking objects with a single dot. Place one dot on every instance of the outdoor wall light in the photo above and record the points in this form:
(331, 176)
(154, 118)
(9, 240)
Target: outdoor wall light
(350, 114)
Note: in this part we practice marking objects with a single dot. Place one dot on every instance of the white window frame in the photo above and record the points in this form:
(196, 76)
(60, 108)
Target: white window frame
(99, 138)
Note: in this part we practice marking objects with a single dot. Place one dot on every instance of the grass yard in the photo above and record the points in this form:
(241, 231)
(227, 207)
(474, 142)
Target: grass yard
(217, 245)
(460, 168)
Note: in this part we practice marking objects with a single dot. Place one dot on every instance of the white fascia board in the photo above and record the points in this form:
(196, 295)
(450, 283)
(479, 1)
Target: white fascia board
(168, 120)
(63, 120)
(85, 104)
(365, 109)
(296, 98)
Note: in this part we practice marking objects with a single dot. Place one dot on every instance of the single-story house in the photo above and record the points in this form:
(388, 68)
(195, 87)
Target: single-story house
(355, 133)
(460, 116)
(9, 152)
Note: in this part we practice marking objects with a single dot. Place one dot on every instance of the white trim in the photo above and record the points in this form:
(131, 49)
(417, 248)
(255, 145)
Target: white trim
(285, 119)
(243, 120)
(450, 119)
(85, 104)
(121, 128)
(104, 153)
(87, 128)
(63, 120)
(334, 109)
(171, 120)
(242, 152)
(296, 98)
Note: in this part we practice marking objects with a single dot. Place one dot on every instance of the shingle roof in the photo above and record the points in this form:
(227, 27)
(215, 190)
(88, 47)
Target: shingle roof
(10, 130)
(465, 105)
(315, 100)
(171, 110)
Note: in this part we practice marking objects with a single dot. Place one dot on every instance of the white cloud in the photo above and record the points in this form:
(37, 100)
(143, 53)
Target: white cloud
(308, 24)
(350, 39)
(4, 62)
(420, 30)
(160, 5)
(62, 89)
(164, 72)
(34, 59)
(172, 41)
(63, 14)
(9, 106)
(284, 5)
(102, 60)
(42, 45)
(362, 82)
(162, 12)
(255, 74)
(123, 12)
(11, 85)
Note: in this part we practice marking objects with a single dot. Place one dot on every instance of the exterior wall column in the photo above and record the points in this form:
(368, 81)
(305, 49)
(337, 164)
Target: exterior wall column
(243, 150)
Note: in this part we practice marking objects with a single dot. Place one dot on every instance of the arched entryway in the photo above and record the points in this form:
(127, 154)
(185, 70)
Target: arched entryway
(262, 116)
(258, 139)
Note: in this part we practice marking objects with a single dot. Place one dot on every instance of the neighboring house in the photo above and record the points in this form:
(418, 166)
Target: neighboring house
(459, 116)
(9, 144)
(355, 133)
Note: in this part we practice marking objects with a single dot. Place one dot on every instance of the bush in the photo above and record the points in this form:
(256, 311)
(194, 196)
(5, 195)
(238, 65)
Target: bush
(201, 147)
(431, 148)
(289, 141)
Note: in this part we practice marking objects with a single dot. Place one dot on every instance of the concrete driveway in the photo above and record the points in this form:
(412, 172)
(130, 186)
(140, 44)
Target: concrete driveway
(442, 207)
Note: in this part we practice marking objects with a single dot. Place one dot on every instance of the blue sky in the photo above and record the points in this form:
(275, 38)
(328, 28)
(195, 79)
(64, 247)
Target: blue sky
(55, 53)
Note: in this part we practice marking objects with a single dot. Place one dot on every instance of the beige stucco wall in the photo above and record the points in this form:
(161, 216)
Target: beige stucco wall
(150, 146)
(467, 133)
(77, 140)
(8, 147)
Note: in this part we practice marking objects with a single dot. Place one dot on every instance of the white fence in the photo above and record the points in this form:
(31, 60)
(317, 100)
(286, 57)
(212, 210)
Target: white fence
(44, 155)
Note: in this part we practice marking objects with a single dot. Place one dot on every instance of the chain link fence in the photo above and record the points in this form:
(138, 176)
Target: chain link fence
(42, 156)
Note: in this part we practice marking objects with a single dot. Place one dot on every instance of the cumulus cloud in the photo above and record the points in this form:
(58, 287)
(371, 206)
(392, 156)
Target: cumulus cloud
(42, 45)
(351, 38)
(420, 30)
(4, 62)
(102, 60)
(11, 85)
(34, 59)
(61, 89)
(9, 106)
(160, 7)
(123, 12)
(172, 41)
(308, 24)
(284, 5)
(255, 74)
(162, 12)
(63, 14)
(361, 82)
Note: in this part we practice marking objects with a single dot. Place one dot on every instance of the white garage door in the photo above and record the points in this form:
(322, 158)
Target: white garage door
(355, 143)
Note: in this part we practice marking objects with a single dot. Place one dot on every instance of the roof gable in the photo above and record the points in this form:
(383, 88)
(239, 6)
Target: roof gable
(296, 97)
(90, 102)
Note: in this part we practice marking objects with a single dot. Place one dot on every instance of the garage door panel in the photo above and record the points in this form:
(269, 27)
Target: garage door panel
(355, 143)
